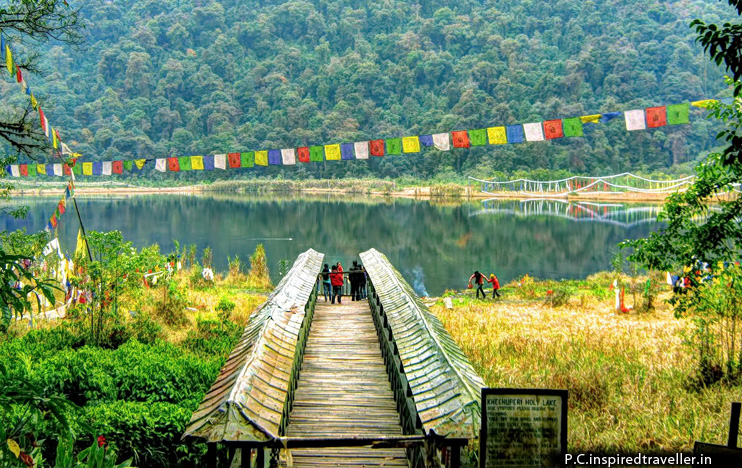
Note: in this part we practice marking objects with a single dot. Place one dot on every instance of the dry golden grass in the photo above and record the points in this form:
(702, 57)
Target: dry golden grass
(630, 376)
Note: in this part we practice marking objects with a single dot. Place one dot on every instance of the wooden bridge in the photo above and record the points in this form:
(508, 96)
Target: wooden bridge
(374, 382)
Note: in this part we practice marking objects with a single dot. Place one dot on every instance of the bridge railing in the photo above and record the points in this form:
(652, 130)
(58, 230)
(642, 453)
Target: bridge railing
(345, 289)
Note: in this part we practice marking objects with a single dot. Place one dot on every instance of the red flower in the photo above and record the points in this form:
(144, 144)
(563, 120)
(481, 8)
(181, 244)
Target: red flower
(26, 458)
(549, 292)
(101, 441)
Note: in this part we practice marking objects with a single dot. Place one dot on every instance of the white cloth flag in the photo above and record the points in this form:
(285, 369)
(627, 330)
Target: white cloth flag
(361, 149)
(107, 166)
(220, 161)
(533, 131)
(441, 141)
(15, 170)
(52, 246)
(288, 156)
(635, 120)
(58, 170)
(46, 127)
(161, 164)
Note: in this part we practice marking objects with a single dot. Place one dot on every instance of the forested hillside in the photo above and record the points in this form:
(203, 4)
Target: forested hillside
(180, 77)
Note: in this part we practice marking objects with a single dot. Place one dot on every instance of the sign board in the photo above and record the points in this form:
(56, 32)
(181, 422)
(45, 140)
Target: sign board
(523, 428)
(716, 455)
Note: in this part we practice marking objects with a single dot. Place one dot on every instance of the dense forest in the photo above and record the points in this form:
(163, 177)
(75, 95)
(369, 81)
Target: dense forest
(160, 78)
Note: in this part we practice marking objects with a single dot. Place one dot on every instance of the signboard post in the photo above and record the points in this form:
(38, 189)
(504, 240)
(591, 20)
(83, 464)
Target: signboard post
(523, 428)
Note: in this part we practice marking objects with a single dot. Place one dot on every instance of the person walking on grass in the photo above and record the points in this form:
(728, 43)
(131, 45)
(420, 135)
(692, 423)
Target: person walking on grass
(495, 285)
(336, 278)
(479, 281)
(326, 285)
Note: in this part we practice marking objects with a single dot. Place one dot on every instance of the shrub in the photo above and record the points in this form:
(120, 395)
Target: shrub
(224, 309)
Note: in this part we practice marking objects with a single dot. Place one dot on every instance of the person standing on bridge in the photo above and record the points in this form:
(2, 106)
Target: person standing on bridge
(326, 285)
(336, 278)
(479, 280)
(355, 281)
(495, 285)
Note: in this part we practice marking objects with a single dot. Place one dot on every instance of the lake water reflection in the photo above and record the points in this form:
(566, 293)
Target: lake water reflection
(435, 246)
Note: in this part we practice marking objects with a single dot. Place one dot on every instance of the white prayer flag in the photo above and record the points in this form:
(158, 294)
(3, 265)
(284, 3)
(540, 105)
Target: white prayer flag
(441, 141)
(361, 149)
(635, 120)
(107, 167)
(288, 156)
(15, 170)
(220, 161)
(161, 164)
(534, 131)
(58, 170)
(46, 127)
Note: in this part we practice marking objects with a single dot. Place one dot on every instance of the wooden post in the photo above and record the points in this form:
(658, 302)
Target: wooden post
(456, 456)
(246, 457)
(734, 425)
(211, 455)
(260, 459)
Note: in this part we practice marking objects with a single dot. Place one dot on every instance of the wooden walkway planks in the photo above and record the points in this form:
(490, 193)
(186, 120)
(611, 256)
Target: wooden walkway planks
(344, 390)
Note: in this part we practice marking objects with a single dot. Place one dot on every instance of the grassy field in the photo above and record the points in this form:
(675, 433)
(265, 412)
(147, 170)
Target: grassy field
(631, 378)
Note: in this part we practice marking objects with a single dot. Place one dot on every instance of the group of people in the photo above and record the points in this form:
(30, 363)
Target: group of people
(479, 279)
(332, 282)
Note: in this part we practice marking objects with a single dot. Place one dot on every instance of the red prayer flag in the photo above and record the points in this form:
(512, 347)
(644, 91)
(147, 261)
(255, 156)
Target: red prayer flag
(173, 165)
(553, 129)
(656, 116)
(303, 154)
(53, 220)
(18, 75)
(61, 207)
(460, 139)
(66, 169)
(377, 147)
(234, 160)
(118, 167)
(24, 169)
(41, 116)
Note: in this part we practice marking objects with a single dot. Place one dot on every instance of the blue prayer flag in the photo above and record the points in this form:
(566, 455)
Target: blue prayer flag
(426, 140)
(97, 167)
(274, 157)
(346, 151)
(209, 162)
(50, 169)
(609, 116)
(515, 133)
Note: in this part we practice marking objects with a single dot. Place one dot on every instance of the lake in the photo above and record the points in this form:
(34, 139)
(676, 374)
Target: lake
(436, 246)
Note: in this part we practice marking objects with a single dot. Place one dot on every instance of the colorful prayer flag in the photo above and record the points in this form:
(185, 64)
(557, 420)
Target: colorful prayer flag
(247, 159)
(497, 136)
(317, 153)
(346, 151)
(49, 169)
(261, 158)
(534, 131)
(18, 75)
(107, 167)
(442, 141)
(635, 120)
(58, 170)
(411, 144)
(139, 163)
(129, 165)
(656, 116)
(66, 169)
(608, 116)
(8, 59)
(274, 157)
(332, 152)
(209, 162)
(97, 168)
(361, 149)
(553, 129)
(15, 171)
(173, 164)
(426, 140)
(704, 103)
(41, 168)
(478, 137)
(460, 139)
(161, 164)
(678, 114)
(303, 154)
(234, 160)
(185, 163)
(23, 169)
(377, 147)
(77, 169)
(197, 163)
(288, 156)
(220, 161)
(53, 220)
(572, 127)
(593, 118)
(515, 133)
(118, 167)
(393, 146)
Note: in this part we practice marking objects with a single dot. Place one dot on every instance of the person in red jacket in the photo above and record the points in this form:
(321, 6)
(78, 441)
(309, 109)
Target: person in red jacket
(336, 279)
(479, 281)
(495, 285)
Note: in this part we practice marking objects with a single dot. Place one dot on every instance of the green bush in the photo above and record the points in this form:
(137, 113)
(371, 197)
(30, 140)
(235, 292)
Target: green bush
(212, 337)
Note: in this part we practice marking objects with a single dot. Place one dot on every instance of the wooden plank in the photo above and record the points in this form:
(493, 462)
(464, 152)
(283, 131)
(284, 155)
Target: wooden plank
(344, 391)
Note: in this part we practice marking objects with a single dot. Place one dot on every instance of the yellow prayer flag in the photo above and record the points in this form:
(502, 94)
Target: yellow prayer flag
(332, 152)
(87, 168)
(497, 136)
(9, 59)
(54, 138)
(140, 163)
(34, 102)
(41, 169)
(81, 248)
(704, 103)
(261, 158)
(411, 144)
(594, 118)
(197, 163)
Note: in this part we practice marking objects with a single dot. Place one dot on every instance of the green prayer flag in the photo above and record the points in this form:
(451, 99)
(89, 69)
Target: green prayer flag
(77, 169)
(316, 153)
(128, 165)
(478, 137)
(394, 146)
(678, 114)
(247, 159)
(185, 163)
(572, 127)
